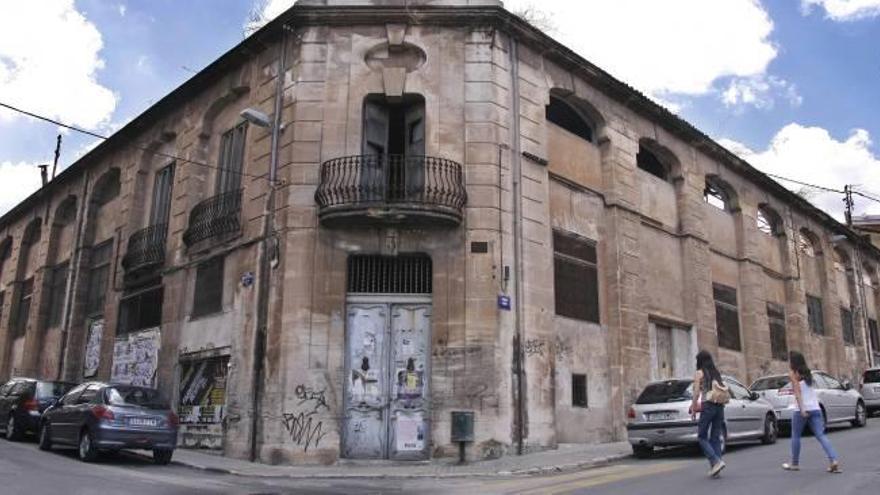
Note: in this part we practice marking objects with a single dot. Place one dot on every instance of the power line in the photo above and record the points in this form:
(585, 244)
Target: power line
(805, 184)
(134, 145)
(866, 196)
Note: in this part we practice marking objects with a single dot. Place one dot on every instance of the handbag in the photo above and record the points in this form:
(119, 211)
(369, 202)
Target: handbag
(719, 394)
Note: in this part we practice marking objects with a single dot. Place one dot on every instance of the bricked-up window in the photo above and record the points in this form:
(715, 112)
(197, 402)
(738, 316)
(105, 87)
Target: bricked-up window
(208, 293)
(579, 397)
(564, 115)
(776, 318)
(99, 276)
(815, 315)
(23, 308)
(57, 290)
(140, 310)
(575, 277)
(873, 332)
(847, 324)
(726, 317)
(231, 158)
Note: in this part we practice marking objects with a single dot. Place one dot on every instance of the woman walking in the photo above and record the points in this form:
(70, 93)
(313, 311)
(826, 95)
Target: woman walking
(807, 411)
(710, 395)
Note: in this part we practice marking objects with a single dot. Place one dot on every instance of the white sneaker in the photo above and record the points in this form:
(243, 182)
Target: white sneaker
(716, 469)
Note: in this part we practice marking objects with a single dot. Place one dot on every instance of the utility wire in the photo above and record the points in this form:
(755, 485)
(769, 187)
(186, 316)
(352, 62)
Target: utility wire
(805, 184)
(134, 145)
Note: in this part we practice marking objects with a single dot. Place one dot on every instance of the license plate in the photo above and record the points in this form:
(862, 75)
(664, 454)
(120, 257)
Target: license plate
(143, 422)
(660, 416)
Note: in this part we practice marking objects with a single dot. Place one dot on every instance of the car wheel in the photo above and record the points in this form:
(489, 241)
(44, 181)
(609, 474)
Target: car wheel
(642, 451)
(770, 431)
(87, 450)
(45, 438)
(13, 433)
(861, 415)
(162, 456)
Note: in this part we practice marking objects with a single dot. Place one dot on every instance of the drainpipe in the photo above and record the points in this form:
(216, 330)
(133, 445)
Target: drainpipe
(516, 169)
(267, 256)
(863, 302)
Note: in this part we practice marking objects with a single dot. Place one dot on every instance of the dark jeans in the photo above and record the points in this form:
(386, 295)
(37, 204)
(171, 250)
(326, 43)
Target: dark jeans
(710, 429)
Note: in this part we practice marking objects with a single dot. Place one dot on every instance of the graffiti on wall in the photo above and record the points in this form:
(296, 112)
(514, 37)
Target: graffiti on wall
(136, 357)
(93, 348)
(311, 397)
(203, 390)
(304, 427)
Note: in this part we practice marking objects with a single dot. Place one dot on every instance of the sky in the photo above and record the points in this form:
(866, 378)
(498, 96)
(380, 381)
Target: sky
(789, 85)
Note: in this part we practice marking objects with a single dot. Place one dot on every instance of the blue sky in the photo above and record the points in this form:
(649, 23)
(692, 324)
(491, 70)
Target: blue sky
(790, 85)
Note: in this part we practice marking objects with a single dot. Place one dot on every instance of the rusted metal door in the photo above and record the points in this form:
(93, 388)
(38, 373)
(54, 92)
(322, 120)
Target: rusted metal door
(387, 363)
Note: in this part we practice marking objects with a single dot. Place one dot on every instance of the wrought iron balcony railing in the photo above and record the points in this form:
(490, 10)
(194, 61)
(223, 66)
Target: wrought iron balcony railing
(146, 247)
(391, 188)
(217, 215)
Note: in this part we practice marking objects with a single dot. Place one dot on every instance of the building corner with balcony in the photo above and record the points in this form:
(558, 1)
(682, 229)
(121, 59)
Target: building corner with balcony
(466, 216)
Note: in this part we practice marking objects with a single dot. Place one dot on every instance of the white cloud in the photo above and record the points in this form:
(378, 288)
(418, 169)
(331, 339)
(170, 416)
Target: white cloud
(760, 92)
(844, 10)
(17, 181)
(264, 11)
(814, 156)
(122, 9)
(49, 60)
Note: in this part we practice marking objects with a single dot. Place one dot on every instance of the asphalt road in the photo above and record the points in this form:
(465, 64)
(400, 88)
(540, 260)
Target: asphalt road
(752, 470)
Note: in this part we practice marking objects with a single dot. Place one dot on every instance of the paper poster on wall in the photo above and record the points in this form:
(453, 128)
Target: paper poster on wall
(410, 433)
(93, 348)
(136, 357)
(203, 390)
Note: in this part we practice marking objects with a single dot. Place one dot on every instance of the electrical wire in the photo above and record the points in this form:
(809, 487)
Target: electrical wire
(805, 184)
(134, 145)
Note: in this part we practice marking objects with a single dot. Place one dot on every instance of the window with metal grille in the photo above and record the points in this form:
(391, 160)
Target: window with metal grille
(23, 310)
(726, 317)
(815, 315)
(99, 276)
(575, 277)
(140, 310)
(579, 397)
(846, 323)
(776, 318)
(231, 158)
(57, 289)
(208, 292)
(873, 332)
(402, 274)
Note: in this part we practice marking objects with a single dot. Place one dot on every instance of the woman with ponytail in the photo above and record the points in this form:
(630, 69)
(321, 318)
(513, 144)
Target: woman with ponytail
(807, 411)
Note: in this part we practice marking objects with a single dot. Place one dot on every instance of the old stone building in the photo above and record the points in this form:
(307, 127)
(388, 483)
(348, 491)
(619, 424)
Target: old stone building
(445, 210)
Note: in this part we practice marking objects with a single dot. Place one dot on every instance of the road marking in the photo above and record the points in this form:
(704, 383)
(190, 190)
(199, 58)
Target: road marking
(602, 476)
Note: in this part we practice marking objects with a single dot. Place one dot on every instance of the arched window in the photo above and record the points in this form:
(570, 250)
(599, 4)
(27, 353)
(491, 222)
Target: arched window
(768, 221)
(808, 243)
(719, 194)
(841, 260)
(567, 117)
(649, 162)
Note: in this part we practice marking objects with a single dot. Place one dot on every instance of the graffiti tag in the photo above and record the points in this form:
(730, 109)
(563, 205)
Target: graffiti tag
(315, 398)
(304, 429)
(534, 347)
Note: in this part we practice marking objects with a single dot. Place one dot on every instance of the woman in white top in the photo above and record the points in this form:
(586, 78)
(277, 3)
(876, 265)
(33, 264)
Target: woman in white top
(808, 411)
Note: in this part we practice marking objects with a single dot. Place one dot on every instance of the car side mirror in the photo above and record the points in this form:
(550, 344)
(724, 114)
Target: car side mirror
(847, 385)
(754, 396)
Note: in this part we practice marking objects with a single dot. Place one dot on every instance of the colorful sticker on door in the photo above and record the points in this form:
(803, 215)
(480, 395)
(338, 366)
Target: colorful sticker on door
(203, 390)
(93, 348)
(136, 357)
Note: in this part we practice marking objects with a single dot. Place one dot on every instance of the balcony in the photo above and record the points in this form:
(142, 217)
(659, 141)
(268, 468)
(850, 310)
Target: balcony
(390, 189)
(146, 248)
(216, 216)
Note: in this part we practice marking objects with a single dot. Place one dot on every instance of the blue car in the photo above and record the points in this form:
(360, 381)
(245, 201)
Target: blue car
(99, 417)
(23, 400)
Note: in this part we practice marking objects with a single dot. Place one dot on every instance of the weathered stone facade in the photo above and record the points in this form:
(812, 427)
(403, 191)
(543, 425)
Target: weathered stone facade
(486, 78)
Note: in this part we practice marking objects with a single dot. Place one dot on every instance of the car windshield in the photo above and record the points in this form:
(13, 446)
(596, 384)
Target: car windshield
(669, 391)
(770, 383)
(51, 390)
(135, 396)
(872, 376)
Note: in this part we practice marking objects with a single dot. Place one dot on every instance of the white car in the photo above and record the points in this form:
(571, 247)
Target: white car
(870, 389)
(660, 416)
(840, 403)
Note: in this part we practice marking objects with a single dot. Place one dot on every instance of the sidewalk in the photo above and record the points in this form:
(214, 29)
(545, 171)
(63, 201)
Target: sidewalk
(567, 457)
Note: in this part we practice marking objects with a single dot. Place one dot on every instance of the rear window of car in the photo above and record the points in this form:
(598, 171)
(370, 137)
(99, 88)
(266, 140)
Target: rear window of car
(48, 390)
(671, 391)
(770, 383)
(135, 396)
(872, 376)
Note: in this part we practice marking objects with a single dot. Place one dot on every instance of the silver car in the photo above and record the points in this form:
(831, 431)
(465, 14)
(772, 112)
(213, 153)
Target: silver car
(660, 416)
(840, 403)
(870, 390)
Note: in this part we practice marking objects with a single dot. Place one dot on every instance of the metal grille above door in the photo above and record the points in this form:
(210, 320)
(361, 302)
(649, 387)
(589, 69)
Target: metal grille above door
(403, 274)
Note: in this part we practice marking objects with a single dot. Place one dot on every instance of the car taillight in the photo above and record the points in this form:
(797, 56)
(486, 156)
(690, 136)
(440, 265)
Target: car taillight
(631, 414)
(102, 412)
(173, 419)
(31, 405)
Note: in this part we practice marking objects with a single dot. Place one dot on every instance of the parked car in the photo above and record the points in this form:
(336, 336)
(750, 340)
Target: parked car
(840, 403)
(870, 389)
(99, 416)
(660, 416)
(23, 400)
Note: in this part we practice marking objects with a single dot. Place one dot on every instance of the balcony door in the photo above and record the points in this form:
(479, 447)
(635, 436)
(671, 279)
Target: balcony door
(394, 147)
(161, 206)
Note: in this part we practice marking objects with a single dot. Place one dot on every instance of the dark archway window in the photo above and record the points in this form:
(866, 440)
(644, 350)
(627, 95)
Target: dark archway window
(565, 116)
(648, 161)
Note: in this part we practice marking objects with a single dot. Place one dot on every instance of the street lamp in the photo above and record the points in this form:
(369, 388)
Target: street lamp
(256, 117)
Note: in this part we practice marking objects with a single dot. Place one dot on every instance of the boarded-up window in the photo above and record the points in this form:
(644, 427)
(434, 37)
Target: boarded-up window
(208, 294)
(99, 275)
(231, 158)
(140, 310)
(776, 319)
(873, 332)
(846, 323)
(575, 277)
(25, 295)
(815, 315)
(579, 397)
(726, 317)
(57, 289)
